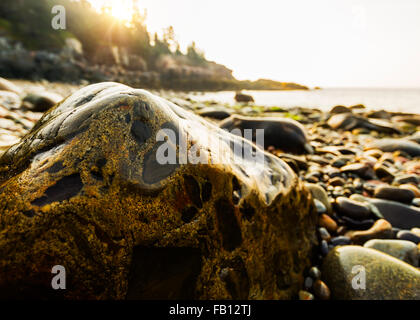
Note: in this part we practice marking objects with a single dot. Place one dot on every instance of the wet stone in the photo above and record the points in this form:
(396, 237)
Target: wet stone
(394, 194)
(324, 247)
(358, 224)
(416, 231)
(41, 101)
(309, 282)
(305, 295)
(391, 145)
(9, 86)
(398, 214)
(320, 194)
(383, 172)
(350, 121)
(327, 222)
(285, 134)
(340, 241)
(340, 109)
(352, 209)
(320, 207)
(381, 229)
(85, 188)
(321, 290)
(9, 100)
(337, 181)
(218, 113)
(324, 234)
(400, 249)
(360, 169)
(386, 278)
(412, 188)
(315, 273)
(409, 236)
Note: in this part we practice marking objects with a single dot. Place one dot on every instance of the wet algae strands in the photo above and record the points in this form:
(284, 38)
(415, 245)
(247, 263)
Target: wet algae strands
(84, 190)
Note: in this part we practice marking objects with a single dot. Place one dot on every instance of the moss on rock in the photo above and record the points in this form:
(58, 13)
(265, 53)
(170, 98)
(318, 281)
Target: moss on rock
(84, 190)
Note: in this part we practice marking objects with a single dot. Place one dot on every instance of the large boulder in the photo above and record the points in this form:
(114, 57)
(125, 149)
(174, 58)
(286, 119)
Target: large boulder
(88, 189)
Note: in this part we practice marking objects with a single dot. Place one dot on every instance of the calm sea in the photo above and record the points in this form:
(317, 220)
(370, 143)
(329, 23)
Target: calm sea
(404, 100)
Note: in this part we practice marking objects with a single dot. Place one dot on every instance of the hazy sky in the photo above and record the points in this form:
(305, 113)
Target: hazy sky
(314, 42)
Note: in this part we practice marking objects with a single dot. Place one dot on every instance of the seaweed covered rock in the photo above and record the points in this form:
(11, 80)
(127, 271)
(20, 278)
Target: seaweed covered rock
(87, 189)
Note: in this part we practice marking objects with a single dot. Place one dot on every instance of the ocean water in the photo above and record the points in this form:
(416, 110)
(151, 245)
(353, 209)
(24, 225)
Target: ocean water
(397, 100)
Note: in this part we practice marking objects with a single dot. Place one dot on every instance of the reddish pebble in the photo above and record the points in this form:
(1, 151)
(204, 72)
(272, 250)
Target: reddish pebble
(321, 290)
(327, 222)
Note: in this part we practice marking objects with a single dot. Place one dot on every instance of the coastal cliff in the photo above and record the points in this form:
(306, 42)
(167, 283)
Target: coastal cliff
(93, 48)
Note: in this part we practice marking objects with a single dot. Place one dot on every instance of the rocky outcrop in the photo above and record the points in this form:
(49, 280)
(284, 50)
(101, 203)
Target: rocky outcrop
(85, 189)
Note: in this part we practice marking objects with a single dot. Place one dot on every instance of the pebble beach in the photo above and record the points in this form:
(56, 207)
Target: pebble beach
(362, 171)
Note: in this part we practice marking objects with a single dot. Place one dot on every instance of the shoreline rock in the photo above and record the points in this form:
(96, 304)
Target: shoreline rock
(84, 190)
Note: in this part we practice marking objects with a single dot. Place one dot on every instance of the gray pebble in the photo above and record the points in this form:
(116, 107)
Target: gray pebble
(340, 241)
(324, 234)
(320, 207)
(308, 282)
(315, 273)
(352, 209)
(324, 247)
(409, 236)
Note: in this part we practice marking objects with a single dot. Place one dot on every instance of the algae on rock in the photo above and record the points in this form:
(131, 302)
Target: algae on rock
(84, 190)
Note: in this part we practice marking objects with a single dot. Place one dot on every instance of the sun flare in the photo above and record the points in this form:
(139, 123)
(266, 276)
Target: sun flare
(121, 9)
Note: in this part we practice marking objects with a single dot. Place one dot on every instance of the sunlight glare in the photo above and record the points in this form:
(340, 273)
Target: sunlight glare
(121, 9)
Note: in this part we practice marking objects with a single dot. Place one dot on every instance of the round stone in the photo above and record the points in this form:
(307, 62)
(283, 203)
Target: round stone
(358, 273)
(409, 236)
(321, 290)
(411, 187)
(324, 234)
(320, 207)
(6, 85)
(285, 134)
(391, 145)
(327, 222)
(398, 214)
(315, 273)
(308, 282)
(394, 194)
(305, 295)
(320, 194)
(401, 249)
(324, 247)
(340, 241)
(42, 101)
(352, 209)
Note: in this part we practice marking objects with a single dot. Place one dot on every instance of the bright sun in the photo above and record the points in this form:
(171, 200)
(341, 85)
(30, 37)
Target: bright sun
(120, 9)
